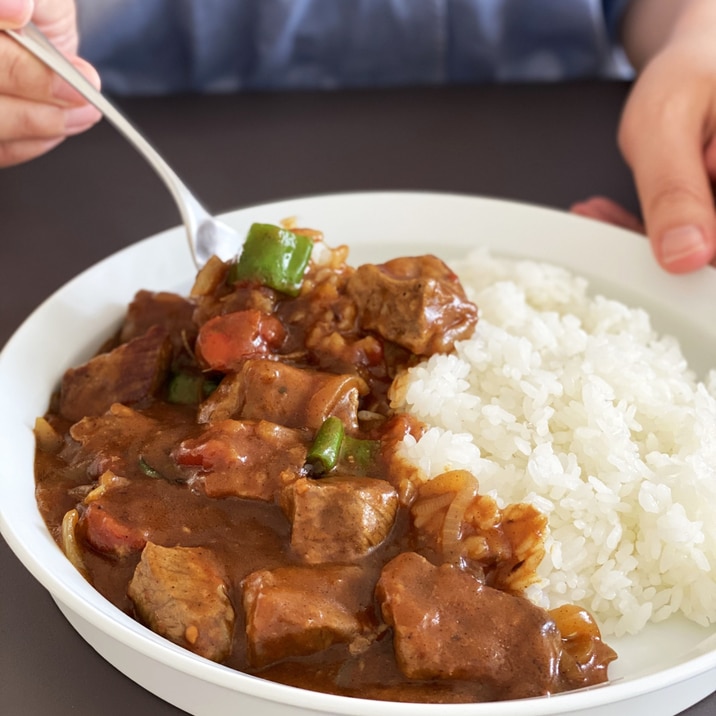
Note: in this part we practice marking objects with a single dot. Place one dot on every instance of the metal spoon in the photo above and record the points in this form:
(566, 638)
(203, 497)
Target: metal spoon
(207, 236)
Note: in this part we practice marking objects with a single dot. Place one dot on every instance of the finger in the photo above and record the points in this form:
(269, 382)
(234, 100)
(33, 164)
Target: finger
(674, 187)
(25, 120)
(58, 20)
(604, 209)
(27, 77)
(72, 121)
(12, 153)
(15, 13)
(679, 212)
(65, 93)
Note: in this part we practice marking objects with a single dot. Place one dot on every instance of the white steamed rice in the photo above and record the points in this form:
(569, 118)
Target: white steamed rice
(573, 403)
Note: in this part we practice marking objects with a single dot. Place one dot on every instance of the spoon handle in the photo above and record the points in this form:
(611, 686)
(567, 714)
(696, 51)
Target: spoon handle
(192, 212)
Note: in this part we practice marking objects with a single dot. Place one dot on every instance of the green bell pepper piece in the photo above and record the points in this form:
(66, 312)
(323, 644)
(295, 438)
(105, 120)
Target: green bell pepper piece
(274, 257)
(326, 449)
(361, 453)
(332, 447)
(186, 389)
(148, 470)
(190, 388)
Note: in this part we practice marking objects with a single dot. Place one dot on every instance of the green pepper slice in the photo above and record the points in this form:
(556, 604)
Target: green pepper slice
(274, 257)
(326, 449)
(190, 388)
(185, 389)
(332, 447)
(359, 453)
(148, 470)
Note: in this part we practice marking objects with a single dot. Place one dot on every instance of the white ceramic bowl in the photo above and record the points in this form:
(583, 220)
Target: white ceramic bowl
(661, 672)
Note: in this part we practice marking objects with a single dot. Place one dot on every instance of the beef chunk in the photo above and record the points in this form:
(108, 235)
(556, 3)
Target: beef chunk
(448, 625)
(127, 374)
(294, 611)
(244, 458)
(416, 302)
(127, 442)
(110, 441)
(169, 310)
(294, 397)
(181, 594)
(339, 519)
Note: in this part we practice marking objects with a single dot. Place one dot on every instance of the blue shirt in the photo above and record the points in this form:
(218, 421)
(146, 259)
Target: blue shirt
(162, 46)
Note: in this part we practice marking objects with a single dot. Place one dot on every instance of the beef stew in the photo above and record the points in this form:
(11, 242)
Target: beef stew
(226, 471)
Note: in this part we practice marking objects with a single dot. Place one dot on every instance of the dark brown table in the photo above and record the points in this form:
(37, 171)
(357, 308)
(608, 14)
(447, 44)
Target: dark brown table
(549, 145)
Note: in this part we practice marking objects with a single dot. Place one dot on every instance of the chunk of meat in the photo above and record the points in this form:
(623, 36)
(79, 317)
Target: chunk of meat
(128, 442)
(294, 611)
(416, 302)
(339, 519)
(448, 625)
(181, 594)
(110, 442)
(245, 458)
(127, 374)
(169, 310)
(225, 342)
(283, 394)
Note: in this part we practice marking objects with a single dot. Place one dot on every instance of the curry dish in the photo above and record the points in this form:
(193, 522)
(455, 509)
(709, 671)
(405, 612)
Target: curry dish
(226, 471)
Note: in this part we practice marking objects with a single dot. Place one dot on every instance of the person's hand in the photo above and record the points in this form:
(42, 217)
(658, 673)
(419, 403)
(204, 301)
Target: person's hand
(605, 209)
(37, 108)
(668, 137)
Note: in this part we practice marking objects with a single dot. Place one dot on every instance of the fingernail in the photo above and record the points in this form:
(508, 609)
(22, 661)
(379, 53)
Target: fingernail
(681, 242)
(78, 119)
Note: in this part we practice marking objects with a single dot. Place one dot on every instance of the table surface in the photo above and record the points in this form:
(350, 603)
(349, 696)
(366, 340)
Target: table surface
(549, 144)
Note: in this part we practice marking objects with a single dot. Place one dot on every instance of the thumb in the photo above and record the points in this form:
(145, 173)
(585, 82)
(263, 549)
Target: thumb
(678, 207)
(15, 13)
(667, 154)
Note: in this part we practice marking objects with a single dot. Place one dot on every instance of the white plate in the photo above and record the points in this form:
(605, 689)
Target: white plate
(661, 672)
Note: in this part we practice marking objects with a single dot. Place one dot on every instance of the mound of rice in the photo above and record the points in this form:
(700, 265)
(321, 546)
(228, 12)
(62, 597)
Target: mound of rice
(574, 404)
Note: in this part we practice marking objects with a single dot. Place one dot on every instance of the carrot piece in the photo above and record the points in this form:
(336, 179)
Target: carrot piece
(224, 342)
